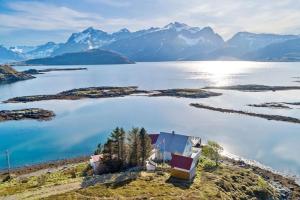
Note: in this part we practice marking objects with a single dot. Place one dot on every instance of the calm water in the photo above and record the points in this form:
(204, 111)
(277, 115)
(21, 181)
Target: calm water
(80, 125)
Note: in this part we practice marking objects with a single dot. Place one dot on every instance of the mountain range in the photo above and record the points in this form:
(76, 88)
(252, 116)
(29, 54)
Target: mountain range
(175, 41)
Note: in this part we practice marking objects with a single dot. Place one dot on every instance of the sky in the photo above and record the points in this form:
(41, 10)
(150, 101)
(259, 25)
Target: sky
(33, 22)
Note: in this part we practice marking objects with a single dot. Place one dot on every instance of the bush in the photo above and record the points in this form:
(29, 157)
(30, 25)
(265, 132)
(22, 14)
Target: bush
(24, 180)
(88, 171)
(41, 180)
(7, 178)
(73, 173)
(262, 184)
(207, 163)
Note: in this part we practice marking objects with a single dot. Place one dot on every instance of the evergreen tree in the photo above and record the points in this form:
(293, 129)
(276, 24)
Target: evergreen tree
(99, 149)
(122, 145)
(145, 143)
(134, 147)
(108, 151)
(115, 137)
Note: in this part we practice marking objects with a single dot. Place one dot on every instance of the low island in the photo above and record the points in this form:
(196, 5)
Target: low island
(254, 88)
(29, 113)
(187, 93)
(108, 91)
(273, 105)
(42, 71)
(264, 116)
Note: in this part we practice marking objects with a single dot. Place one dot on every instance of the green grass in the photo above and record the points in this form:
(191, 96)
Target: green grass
(224, 182)
(18, 185)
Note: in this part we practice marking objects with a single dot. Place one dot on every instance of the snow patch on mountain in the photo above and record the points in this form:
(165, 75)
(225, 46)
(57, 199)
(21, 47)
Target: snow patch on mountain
(193, 41)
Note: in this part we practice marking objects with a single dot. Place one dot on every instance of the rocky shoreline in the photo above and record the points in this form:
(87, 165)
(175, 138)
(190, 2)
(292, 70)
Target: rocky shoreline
(30, 113)
(287, 187)
(42, 71)
(10, 75)
(106, 92)
(264, 116)
(254, 88)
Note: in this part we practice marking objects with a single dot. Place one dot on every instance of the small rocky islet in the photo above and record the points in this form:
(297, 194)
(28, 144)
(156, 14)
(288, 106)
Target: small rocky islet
(29, 113)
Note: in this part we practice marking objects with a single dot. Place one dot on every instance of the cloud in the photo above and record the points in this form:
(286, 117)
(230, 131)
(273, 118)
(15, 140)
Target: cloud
(113, 3)
(225, 16)
(44, 16)
(40, 16)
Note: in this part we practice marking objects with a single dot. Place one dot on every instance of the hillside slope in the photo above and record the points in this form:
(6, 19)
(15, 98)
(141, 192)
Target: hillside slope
(285, 51)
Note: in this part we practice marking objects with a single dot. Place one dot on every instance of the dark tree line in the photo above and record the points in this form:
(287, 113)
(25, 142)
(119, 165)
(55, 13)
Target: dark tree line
(123, 150)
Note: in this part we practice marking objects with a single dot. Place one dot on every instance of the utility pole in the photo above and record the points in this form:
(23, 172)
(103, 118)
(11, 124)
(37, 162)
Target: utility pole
(8, 162)
(164, 152)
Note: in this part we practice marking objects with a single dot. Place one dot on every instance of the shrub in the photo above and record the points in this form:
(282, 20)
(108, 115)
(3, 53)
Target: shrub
(262, 184)
(207, 164)
(73, 173)
(41, 180)
(7, 178)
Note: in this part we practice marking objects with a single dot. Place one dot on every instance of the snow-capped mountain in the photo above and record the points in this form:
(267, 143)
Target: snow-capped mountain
(88, 39)
(252, 41)
(42, 51)
(243, 43)
(22, 49)
(175, 41)
(7, 55)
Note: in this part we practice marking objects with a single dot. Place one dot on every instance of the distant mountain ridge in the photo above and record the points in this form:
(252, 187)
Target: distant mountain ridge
(90, 57)
(175, 41)
(277, 52)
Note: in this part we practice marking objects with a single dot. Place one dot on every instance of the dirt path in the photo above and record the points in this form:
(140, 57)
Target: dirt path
(46, 191)
(49, 190)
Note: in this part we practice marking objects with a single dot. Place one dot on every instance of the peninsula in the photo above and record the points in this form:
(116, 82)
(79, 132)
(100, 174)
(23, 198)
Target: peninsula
(42, 71)
(10, 75)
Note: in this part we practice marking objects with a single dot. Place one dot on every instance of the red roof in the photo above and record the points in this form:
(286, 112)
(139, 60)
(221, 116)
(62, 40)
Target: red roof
(153, 138)
(182, 162)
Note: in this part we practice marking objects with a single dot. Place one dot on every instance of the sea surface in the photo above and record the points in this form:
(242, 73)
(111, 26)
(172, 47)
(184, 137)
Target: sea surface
(80, 125)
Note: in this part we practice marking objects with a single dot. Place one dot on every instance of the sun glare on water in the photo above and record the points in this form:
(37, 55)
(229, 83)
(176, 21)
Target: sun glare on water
(221, 73)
